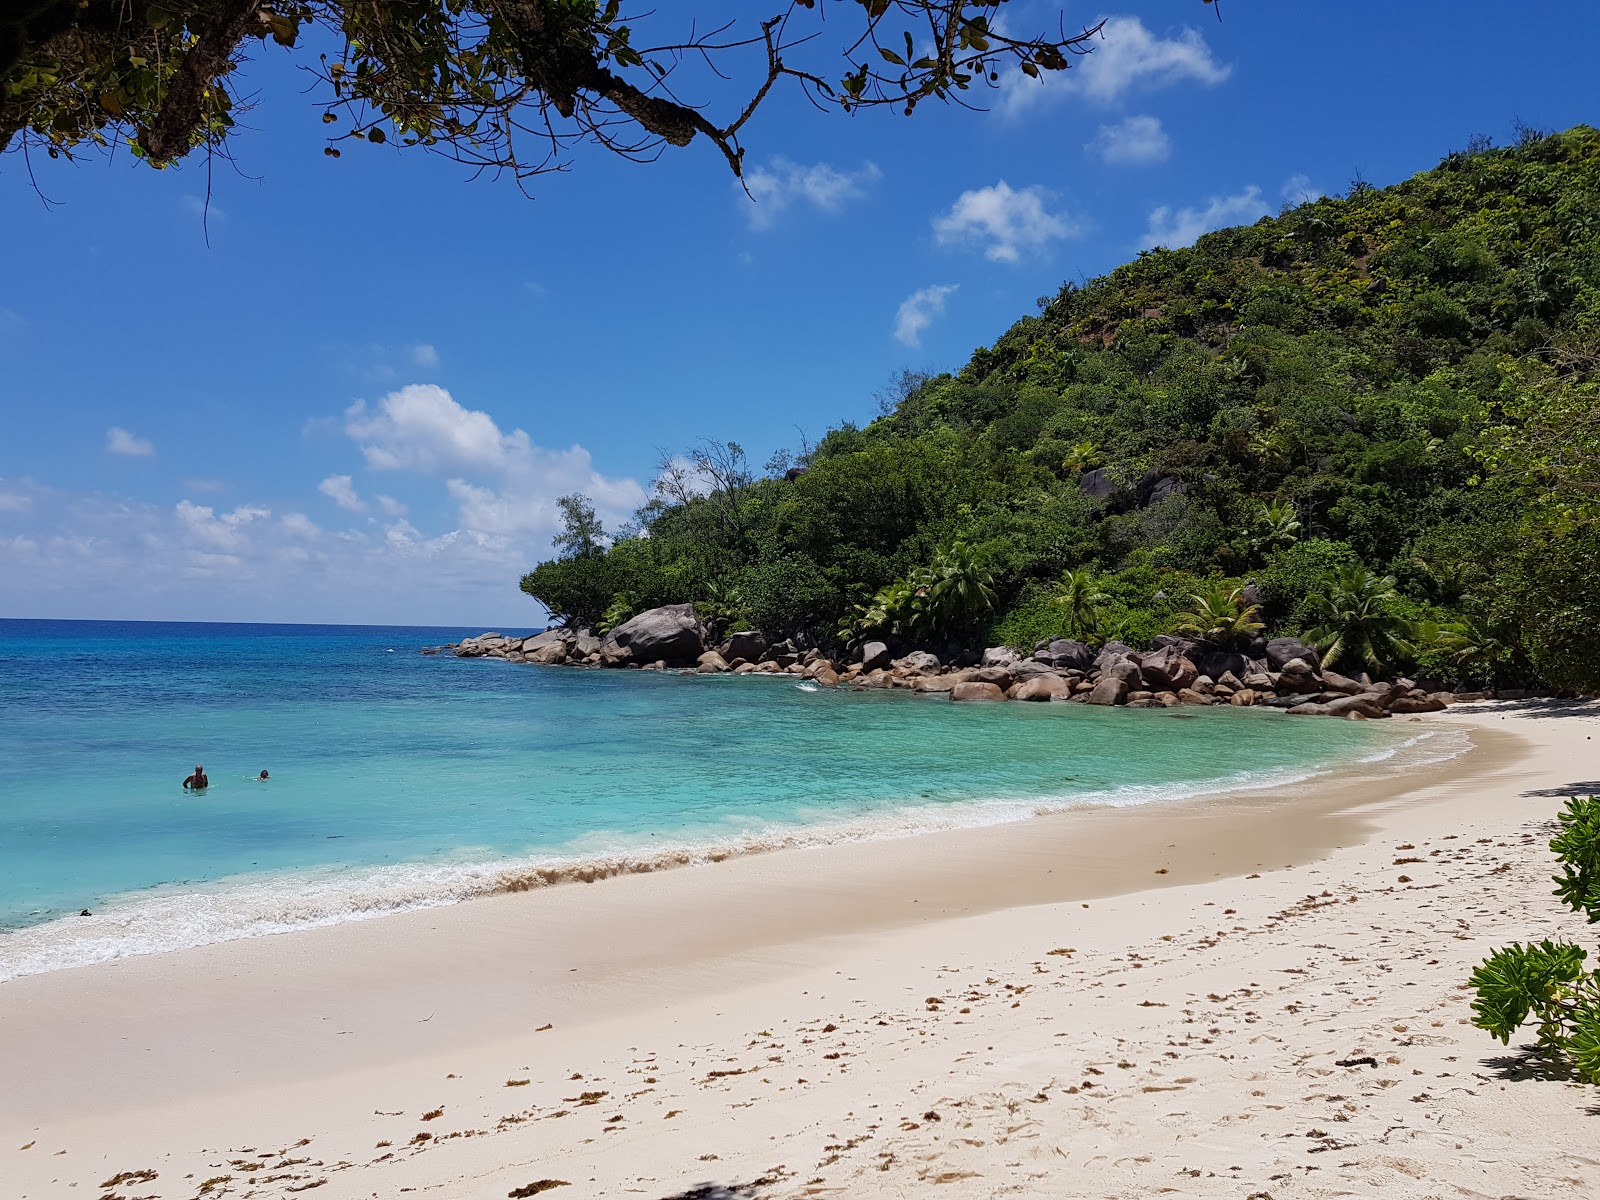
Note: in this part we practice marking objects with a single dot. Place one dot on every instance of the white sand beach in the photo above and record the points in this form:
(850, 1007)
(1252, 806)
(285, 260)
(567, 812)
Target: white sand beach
(1117, 1003)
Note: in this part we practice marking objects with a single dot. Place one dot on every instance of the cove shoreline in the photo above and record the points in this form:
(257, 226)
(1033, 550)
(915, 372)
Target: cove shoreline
(171, 918)
(676, 918)
(710, 1000)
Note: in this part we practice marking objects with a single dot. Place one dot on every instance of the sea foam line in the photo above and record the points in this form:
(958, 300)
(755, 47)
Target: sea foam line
(144, 923)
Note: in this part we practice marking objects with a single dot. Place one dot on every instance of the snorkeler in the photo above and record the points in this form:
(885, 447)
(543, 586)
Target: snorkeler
(198, 781)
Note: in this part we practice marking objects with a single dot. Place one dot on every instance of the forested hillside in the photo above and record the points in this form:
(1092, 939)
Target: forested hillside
(1379, 409)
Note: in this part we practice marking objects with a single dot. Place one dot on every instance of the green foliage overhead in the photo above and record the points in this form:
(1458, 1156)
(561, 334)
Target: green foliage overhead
(1378, 408)
(1547, 982)
(497, 84)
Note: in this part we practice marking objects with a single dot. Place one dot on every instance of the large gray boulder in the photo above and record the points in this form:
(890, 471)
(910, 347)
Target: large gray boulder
(1220, 662)
(999, 656)
(1043, 687)
(1064, 654)
(971, 690)
(920, 660)
(1028, 669)
(1283, 650)
(746, 644)
(1332, 681)
(1411, 704)
(672, 633)
(1167, 669)
(1368, 705)
(1185, 646)
(1298, 678)
(1113, 652)
(1110, 690)
(1001, 677)
(873, 656)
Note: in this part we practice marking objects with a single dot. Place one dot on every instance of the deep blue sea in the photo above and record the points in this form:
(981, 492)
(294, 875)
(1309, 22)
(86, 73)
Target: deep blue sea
(401, 781)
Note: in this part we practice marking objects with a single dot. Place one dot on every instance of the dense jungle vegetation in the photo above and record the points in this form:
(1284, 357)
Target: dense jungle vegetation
(1380, 409)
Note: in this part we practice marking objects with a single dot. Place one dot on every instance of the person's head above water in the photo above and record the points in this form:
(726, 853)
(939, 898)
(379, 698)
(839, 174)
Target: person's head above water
(263, 775)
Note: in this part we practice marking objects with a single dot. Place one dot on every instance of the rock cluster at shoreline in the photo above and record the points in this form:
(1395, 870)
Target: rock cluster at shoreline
(1281, 673)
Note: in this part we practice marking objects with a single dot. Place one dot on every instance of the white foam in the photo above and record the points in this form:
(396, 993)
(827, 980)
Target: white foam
(165, 919)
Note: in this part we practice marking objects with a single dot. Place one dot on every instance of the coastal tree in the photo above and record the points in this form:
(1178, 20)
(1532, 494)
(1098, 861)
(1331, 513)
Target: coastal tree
(581, 535)
(500, 85)
(1357, 619)
(1221, 617)
(1080, 599)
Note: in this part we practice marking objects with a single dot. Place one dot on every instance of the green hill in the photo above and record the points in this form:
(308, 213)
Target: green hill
(1400, 378)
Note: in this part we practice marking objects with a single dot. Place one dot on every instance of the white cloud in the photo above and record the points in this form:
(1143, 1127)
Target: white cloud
(1297, 189)
(300, 525)
(774, 188)
(120, 441)
(1176, 228)
(1127, 58)
(1009, 221)
(1132, 142)
(424, 355)
(219, 532)
(918, 310)
(341, 490)
(93, 555)
(501, 483)
(421, 426)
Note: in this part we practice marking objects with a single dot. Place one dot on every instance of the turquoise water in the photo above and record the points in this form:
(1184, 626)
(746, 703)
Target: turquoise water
(400, 781)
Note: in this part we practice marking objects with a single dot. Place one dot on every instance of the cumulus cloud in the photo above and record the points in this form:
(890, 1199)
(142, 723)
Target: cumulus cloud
(1002, 220)
(120, 441)
(422, 427)
(1132, 142)
(342, 491)
(93, 555)
(784, 184)
(918, 310)
(219, 531)
(1175, 228)
(1126, 59)
(501, 483)
(300, 525)
(424, 355)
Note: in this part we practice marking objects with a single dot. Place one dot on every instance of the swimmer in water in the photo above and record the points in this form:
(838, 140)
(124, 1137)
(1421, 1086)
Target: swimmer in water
(263, 777)
(198, 781)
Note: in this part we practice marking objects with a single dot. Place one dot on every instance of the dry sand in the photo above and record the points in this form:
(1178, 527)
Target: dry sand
(1118, 1003)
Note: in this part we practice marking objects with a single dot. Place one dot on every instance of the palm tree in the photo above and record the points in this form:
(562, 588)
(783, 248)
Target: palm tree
(1280, 524)
(1080, 597)
(1356, 621)
(1486, 650)
(957, 590)
(1220, 616)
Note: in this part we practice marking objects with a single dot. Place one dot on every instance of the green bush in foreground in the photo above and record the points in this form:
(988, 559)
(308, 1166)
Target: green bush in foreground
(1546, 982)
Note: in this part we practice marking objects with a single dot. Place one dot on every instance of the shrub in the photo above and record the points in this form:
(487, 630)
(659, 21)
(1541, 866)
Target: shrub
(1546, 981)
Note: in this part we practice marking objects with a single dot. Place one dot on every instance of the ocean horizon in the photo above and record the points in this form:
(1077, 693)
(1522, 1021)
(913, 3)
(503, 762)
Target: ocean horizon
(403, 781)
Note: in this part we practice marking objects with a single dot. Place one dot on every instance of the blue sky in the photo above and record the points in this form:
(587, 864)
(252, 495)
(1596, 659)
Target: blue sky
(359, 401)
